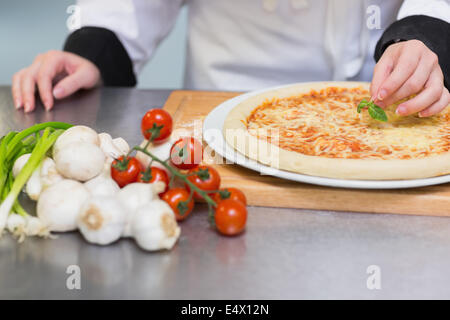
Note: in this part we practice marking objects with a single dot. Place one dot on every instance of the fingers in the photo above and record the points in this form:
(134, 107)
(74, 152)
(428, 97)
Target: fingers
(71, 84)
(416, 81)
(437, 107)
(15, 89)
(44, 69)
(27, 86)
(51, 65)
(24, 86)
(430, 95)
(381, 71)
(404, 68)
(83, 75)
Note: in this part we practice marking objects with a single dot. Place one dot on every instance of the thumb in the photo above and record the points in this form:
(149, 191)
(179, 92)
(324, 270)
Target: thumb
(82, 78)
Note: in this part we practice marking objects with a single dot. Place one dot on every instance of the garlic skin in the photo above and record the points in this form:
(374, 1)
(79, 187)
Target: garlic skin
(75, 134)
(161, 150)
(154, 226)
(20, 163)
(109, 147)
(49, 174)
(80, 161)
(42, 177)
(102, 220)
(135, 195)
(59, 205)
(102, 185)
(121, 145)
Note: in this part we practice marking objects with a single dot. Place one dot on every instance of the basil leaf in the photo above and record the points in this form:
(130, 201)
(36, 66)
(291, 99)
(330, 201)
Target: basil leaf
(377, 113)
(362, 105)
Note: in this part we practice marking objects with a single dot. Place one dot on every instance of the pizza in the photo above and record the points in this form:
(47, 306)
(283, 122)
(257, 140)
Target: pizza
(315, 129)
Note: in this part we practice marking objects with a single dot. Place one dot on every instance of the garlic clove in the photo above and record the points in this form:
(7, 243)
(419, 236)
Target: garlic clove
(121, 145)
(59, 205)
(135, 195)
(154, 226)
(102, 185)
(49, 174)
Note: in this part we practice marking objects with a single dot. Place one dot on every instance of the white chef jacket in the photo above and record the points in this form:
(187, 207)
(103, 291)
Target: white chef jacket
(251, 44)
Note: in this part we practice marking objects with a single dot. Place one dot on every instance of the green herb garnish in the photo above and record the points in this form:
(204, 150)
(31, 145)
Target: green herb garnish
(374, 111)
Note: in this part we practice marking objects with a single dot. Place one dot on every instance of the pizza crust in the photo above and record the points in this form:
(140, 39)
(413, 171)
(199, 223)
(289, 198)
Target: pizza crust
(237, 136)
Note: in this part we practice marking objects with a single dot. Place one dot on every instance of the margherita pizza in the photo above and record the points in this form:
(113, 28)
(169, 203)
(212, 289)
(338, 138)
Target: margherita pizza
(315, 129)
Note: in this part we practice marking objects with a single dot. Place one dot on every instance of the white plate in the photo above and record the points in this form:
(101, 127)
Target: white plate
(212, 133)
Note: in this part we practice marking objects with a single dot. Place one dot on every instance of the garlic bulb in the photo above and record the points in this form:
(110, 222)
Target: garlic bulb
(103, 184)
(59, 205)
(49, 174)
(102, 220)
(154, 226)
(135, 195)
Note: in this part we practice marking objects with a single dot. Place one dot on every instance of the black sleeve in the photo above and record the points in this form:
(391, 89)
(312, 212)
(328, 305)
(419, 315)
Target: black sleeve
(102, 47)
(434, 33)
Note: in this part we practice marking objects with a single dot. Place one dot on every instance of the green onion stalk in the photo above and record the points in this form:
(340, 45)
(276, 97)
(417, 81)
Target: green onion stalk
(12, 146)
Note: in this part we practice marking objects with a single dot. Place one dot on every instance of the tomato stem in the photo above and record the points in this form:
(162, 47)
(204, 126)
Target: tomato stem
(180, 175)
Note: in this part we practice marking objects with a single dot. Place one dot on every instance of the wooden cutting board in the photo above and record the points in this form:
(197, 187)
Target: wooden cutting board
(189, 108)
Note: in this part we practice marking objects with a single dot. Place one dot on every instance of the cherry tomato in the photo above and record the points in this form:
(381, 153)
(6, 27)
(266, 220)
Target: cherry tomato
(177, 198)
(157, 122)
(125, 170)
(186, 153)
(204, 177)
(230, 193)
(230, 217)
(154, 174)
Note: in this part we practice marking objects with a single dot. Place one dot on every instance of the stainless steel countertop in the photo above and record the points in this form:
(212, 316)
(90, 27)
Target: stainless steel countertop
(284, 254)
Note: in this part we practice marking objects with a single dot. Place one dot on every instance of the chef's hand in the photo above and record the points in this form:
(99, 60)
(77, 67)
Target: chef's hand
(407, 68)
(76, 73)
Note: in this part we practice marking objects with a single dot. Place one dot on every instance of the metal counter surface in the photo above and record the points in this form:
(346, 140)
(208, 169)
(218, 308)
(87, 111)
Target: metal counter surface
(284, 254)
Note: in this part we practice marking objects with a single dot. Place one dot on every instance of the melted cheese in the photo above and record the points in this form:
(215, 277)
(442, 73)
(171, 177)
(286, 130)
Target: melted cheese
(326, 124)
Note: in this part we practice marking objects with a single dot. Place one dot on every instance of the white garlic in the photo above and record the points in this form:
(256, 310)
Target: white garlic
(59, 205)
(154, 226)
(102, 220)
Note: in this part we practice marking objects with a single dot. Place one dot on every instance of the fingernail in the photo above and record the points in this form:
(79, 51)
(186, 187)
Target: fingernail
(421, 115)
(47, 105)
(27, 107)
(382, 94)
(17, 104)
(58, 92)
(401, 110)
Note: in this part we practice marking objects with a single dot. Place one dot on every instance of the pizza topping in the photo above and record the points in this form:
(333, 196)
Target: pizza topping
(374, 111)
(324, 123)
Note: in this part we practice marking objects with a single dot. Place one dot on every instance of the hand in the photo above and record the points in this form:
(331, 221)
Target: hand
(408, 68)
(76, 73)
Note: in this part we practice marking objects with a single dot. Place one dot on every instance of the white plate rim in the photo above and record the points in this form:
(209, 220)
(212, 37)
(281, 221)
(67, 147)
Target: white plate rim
(212, 134)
